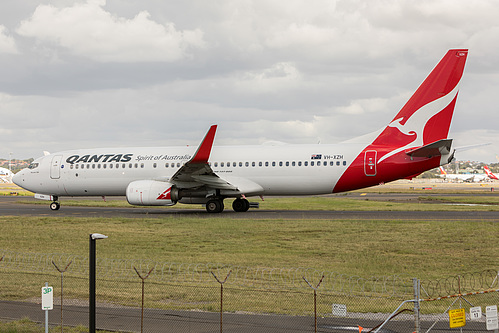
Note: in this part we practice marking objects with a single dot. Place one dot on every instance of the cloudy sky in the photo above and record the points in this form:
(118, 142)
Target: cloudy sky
(97, 73)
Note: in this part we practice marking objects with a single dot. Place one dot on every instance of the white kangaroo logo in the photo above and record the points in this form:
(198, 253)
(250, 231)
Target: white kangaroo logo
(417, 122)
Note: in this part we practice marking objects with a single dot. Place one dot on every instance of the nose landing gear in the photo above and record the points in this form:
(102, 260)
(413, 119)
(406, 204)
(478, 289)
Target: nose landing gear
(55, 205)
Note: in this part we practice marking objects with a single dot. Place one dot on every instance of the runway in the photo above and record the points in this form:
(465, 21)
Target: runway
(11, 206)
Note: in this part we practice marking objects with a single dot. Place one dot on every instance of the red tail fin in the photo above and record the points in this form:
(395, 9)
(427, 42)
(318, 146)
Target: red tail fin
(489, 173)
(427, 116)
(422, 122)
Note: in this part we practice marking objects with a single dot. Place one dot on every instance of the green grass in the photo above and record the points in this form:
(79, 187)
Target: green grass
(426, 249)
(25, 325)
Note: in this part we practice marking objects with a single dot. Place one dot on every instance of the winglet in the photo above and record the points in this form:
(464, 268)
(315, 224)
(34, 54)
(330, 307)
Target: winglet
(203, 153)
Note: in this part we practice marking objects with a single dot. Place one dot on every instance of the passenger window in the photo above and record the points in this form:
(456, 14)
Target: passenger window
(293, 163)
(178, 165)
(260, 163)
(266, 164)
(318, 163)
(306, 163)
(344, 163)
(338, 163)
(287, 163)
(154, 165)
(273, 164)
(221, 164)
(311, 163)
(299, 163)
(216, 164)
(142, 165)
(123, 165)
(234, 164)
(93, 166)
(76, 166)
(280, 163)
(104, 166)
(110, 166)
(254, 164)
(246, 164)
(71, 166)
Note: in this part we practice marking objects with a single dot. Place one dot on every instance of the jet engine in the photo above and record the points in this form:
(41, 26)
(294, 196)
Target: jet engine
(151, 193)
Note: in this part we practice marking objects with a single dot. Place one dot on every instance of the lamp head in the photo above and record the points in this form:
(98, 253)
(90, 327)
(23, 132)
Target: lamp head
(98, 236)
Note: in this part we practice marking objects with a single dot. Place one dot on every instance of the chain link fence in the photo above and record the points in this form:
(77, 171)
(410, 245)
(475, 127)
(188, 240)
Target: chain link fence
(181, 297)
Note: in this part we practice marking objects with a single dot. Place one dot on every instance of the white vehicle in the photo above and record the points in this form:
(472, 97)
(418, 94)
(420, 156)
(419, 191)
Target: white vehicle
(413, 142)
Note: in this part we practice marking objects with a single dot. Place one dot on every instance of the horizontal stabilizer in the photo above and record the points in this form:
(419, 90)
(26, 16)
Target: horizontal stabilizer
(437, 148)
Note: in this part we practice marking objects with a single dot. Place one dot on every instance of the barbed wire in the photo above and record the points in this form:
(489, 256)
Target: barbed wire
(460, 284)
(248, 277)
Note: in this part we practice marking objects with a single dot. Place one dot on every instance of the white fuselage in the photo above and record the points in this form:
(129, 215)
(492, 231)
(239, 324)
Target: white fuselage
(279, 170)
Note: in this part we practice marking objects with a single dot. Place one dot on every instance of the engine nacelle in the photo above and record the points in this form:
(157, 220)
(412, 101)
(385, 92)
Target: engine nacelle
(151, 193)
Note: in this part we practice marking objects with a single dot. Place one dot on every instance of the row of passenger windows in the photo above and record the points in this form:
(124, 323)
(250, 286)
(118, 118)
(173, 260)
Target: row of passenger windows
(214, 164)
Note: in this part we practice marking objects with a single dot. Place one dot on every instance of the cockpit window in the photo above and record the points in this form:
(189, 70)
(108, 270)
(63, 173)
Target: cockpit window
(33, 165)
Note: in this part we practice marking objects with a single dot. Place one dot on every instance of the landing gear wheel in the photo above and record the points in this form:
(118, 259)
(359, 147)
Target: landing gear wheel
(55, 206)
(215, 206)
(240, 205)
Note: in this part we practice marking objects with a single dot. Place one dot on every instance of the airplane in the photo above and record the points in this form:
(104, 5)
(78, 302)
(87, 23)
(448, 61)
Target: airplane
(5, 175)
(489, 173)
(415, 140)
(464, 177)
(469, 177)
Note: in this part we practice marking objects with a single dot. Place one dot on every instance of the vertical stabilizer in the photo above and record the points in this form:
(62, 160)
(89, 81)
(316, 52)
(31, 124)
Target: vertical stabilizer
(414, 140)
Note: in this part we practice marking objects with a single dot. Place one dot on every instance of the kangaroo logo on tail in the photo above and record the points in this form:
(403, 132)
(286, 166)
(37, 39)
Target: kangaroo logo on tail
(416, 138)
(489, 173)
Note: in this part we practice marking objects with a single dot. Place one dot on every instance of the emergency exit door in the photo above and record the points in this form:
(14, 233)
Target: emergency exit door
(370, 162)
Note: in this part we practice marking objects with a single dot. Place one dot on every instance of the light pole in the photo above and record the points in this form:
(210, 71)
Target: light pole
(91, 298)
(10, 162)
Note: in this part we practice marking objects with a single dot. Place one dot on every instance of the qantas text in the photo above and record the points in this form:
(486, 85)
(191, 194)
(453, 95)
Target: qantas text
(99, 158)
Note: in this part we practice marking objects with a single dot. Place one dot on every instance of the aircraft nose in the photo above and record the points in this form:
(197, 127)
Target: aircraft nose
(18, 178)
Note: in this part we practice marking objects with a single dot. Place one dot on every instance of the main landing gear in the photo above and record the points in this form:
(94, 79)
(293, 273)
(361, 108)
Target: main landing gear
(216, 205)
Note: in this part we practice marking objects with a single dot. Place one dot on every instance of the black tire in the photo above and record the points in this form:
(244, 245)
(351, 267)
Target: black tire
(55, 206)
(215, 206)
(240, 205)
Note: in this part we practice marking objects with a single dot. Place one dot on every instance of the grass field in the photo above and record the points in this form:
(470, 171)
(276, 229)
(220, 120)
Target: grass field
(426, 249)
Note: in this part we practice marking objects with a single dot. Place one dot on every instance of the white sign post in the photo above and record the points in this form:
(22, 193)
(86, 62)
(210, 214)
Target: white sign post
(491, 314)
(47, 303)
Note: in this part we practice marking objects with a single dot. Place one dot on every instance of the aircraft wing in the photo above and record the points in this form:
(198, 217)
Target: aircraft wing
(197, 172)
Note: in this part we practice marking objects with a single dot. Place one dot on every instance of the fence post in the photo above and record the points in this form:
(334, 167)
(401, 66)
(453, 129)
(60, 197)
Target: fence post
(417, 292)
(315, 299)
(221, 296)
(62, 277)
(143, 282)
